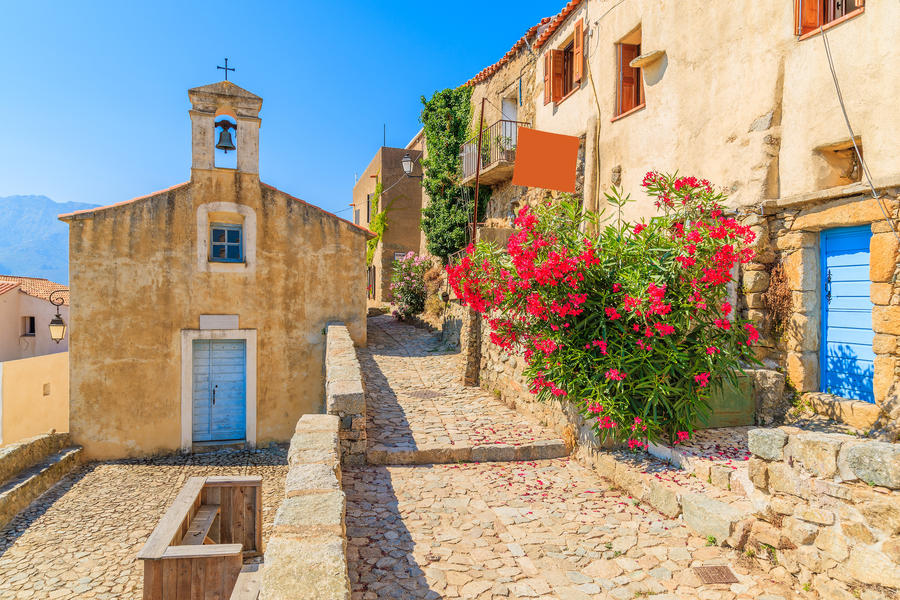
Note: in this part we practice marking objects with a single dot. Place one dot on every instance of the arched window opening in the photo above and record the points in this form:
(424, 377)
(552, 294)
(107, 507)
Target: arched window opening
(226, 141)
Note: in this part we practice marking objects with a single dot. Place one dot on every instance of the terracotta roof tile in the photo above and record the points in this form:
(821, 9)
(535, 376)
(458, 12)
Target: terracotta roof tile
(34, 286)
(558, 20)
(6, 286)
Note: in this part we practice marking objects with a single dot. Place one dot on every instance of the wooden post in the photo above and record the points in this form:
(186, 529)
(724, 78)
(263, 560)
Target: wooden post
(478, 168)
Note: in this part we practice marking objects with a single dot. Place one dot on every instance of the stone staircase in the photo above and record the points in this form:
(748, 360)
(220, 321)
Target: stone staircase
(31, 467)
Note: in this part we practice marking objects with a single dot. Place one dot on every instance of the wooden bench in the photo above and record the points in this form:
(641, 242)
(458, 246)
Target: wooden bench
(197, 548)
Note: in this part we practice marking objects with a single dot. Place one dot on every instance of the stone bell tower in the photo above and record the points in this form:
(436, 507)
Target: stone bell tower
(210, 102)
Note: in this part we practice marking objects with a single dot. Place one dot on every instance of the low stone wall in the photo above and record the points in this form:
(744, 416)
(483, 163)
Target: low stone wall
(306, 557)
(345, 396)
(17, 457)
(830, 505)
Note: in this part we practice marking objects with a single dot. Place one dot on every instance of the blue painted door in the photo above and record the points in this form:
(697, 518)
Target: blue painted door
(219, 390)
(846, 354)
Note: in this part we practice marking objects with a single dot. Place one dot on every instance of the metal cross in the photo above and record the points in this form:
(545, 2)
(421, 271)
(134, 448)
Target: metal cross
(226, 68)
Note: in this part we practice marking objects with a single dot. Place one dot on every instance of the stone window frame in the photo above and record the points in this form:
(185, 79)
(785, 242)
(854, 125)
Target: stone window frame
(248, 228)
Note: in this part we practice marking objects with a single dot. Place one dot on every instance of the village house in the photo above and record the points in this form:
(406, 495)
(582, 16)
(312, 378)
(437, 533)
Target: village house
(665, 87)
(200, 311)
(25, 315)
(386, 189)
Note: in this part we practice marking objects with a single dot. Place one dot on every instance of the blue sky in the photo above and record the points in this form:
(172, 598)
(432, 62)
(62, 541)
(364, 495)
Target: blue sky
(94, 103)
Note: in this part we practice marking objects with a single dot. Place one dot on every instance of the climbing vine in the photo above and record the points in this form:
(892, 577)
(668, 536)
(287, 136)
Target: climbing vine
(446, 219)
(378, 223)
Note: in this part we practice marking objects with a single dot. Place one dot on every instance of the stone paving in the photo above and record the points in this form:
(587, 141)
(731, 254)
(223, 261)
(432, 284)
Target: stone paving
(517, 529)
(81, 538)
(421, 409)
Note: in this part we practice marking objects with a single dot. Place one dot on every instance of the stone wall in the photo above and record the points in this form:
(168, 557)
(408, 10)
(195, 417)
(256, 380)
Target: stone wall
(306, 556)
(345, 396)
(830, 505)
(788, 233)
(25, 453)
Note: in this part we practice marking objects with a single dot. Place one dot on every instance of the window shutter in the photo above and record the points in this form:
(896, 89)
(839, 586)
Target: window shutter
(547, 78)
(628, 83)
(578, 52)
(807, 15)
(557, 74)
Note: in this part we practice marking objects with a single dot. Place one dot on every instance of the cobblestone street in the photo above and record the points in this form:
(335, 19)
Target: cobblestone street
(81, 539)
(516, 529)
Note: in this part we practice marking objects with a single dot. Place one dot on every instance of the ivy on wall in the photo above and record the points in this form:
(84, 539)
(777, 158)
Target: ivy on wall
(447, 218)
(378, 223)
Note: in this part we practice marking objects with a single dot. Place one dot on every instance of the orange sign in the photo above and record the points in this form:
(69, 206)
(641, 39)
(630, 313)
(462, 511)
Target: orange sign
(545, 160)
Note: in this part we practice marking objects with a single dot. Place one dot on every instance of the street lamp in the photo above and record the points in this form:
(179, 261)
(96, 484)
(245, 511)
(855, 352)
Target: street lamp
(407, 163)
(57, 325)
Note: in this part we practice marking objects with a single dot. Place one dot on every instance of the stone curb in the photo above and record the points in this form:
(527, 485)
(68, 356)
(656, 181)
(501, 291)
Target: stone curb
(26, 453)
(544, 449)
(345, 394)
(22, 490)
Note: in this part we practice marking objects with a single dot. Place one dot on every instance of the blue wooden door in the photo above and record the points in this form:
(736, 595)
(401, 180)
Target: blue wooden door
(219, 390)
(846, 354)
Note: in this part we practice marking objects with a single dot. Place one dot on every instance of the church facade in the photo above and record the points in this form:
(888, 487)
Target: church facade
(198, 312)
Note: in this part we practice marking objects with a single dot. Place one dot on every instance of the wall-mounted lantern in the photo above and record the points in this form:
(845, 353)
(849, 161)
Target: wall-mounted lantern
(407, 163)
(57, 325)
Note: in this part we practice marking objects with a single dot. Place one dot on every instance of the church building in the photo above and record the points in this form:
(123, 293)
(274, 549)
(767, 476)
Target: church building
(198, 312)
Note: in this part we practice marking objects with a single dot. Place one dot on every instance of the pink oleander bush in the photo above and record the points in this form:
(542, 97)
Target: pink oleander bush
(408, 290)
(630, 325)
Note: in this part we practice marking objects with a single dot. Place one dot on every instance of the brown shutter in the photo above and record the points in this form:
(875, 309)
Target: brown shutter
(557, 74)
(578, 52)
(807, 15)
(629, 84)
(547, 77)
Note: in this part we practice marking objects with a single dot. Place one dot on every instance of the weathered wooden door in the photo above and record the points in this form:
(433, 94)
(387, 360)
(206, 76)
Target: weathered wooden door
(219, 390)
(846, 356)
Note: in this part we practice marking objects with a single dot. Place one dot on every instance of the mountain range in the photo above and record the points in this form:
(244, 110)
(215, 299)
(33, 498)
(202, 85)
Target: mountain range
(33, 242)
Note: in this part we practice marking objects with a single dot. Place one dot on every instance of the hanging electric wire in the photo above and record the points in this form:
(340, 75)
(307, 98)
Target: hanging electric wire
(862, 162)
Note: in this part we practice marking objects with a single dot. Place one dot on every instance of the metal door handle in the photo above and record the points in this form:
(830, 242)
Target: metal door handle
(214, 394)
(828, 287)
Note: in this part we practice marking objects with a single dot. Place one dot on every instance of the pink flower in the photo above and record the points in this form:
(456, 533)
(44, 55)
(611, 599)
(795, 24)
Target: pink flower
(612, 313)
(712, 350)
(639, 228)
(632, 444)
(723, 324)
(615, 375)
(753, 333)
(702, 379)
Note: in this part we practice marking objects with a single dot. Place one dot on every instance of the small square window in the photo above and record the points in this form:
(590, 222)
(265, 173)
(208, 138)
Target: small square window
(225, 243)
(28, 327)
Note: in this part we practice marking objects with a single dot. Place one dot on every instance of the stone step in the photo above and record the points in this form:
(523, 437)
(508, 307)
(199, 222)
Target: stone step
(25, 487)
(26, 453)
(444, 454)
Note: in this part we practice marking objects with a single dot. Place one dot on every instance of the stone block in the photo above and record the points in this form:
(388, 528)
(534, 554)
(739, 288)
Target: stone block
(345, 397)
(709, 517)
(799, 532)
(891, 548)
(819, 516)
(882, 257)
(886, 319)
(768, 390)
(796, 239)
(311, 514)
(720, 476)
(862, 567)
(802, 270)
(303, 479)
(305, 569)
(755, 300)
(882, 515)
(802, 332)
(758, 473)
(767, 443)
(782, 506)
(631, 481)
(880, 293)
(817, 452)
(843, 212)
(885, 368)
(765, 533)
(311, 422)
(314, 440)
(811, 558)
(782, 478)
(883, 343)
(803, 370)
(876, 463)
(805, 302)
(861, 415)
(664, 499)
(755, 281)
(858, 532)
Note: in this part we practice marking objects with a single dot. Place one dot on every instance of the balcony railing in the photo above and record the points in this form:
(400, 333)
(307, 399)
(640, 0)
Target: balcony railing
(498, 149)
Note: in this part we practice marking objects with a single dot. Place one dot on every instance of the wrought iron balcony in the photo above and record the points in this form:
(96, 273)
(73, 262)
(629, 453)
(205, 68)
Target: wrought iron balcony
(498, 153)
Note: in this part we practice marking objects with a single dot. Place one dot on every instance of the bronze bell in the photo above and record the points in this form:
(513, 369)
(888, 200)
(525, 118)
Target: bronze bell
(225, 142)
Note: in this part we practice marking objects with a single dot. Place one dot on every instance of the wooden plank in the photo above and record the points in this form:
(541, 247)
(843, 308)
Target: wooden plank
(170, 580)
(247, 585)
(207, 551)
(152, 580)
(167, 528)
(257, 532)
(200, 524)
(227, 517)
(184, 579)
(237, 508)
(226, 480)
(231, 570)
(212, 587)
(249, 540)
(198, 577)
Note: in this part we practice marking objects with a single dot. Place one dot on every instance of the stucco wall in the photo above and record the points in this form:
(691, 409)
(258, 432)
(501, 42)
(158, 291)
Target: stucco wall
(34, 396)
(16, 304)
(136, 285)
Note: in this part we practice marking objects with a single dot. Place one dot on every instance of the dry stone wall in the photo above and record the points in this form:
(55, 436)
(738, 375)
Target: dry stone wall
(345, 396)
(831, 505)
